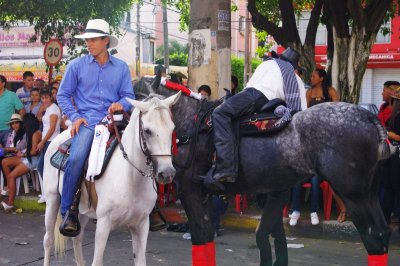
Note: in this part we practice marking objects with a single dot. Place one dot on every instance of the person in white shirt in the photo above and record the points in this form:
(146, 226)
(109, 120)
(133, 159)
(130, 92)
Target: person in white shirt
(51, 126)
(274, 78)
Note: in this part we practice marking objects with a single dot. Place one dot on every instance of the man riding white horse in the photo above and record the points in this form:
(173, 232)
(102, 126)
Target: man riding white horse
(274, 78)
(98, 83)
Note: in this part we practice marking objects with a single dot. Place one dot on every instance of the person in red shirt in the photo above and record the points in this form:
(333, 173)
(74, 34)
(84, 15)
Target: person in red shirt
(386, 108)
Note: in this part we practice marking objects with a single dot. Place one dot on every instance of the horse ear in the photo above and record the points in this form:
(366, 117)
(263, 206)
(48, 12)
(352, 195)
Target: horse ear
(172, 99)
(142, 106)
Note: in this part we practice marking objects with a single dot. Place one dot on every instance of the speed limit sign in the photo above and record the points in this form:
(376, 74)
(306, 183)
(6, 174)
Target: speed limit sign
(53, 51)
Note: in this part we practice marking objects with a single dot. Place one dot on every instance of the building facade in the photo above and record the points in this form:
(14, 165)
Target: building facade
(383, 64)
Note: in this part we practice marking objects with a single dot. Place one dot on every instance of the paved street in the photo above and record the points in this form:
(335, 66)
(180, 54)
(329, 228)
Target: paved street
(168, 248)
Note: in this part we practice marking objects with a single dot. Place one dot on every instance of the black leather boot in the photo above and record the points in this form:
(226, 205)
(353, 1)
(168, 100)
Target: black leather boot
(70, 225)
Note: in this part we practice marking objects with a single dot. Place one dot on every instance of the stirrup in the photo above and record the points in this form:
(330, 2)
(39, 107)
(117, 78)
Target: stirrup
(69, 233)
(210, 183)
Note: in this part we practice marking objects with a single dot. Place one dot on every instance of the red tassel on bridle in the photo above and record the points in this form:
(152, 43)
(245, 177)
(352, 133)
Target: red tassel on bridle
(174, 145)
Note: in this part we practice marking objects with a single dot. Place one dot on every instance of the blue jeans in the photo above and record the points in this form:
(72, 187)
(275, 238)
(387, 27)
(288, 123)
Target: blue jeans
(219, 207)
(41, 158)
(3, 136)
(79, 152)
(296, 191)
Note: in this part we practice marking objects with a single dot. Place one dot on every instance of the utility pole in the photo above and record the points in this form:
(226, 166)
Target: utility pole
(138, 40)
(166, 47)
(210, 45)
(247, 59)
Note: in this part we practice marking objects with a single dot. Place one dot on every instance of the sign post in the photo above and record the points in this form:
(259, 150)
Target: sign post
(53, 52)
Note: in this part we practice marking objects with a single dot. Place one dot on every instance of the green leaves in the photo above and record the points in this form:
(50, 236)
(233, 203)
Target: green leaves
(61, 19)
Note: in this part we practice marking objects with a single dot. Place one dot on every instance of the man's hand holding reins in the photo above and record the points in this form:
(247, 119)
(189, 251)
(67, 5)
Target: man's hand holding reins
(115, 107)
(75, 126)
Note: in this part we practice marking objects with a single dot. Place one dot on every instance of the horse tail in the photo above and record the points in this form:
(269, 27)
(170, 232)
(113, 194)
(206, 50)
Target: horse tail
(59, 239)
(385, 148)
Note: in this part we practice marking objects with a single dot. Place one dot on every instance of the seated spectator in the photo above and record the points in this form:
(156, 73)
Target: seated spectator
(51, 128)
(296, 191)
(25, 160)
(13, 142)
(34, 106)
(9, 104)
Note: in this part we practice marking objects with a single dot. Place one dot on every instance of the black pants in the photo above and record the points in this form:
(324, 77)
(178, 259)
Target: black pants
(391, 184)
(243, 103)
(272, 224)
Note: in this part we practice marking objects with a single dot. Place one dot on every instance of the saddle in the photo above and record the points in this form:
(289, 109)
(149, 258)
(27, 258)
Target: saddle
(264, 121)
(60, 157)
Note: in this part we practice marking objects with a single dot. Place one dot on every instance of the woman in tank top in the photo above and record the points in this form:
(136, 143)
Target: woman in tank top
(321, 92)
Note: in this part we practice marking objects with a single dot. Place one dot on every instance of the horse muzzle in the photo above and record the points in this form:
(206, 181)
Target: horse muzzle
(166, 176)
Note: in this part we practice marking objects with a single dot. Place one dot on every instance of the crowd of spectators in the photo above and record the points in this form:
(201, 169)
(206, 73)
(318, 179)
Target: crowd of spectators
(29, 120)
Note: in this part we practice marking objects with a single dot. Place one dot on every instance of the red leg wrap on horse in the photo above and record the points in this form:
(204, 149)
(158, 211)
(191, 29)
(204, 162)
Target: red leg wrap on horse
(199, 256)
(378, 260)
(210, 253)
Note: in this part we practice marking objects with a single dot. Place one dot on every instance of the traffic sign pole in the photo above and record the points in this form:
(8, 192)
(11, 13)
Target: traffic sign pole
(50, 74)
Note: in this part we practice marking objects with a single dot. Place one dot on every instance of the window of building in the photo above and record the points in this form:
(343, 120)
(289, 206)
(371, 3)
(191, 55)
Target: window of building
(242, 24)
(302, 23)
(148, 49)
(128, 20)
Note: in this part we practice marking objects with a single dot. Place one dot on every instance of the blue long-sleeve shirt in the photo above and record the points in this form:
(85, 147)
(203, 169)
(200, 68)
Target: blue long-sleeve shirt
(94, 88)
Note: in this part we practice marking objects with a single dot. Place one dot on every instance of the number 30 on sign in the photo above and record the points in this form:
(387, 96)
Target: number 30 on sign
(53, 51)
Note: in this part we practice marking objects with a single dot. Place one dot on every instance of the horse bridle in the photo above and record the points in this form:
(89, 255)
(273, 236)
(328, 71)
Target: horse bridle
(191, 139)
(143, 147)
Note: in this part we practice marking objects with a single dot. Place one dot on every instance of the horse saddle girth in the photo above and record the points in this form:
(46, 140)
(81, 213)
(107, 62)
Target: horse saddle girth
(60, 158)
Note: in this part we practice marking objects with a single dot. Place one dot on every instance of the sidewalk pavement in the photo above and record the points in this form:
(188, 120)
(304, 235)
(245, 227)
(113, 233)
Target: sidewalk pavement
(248, 220)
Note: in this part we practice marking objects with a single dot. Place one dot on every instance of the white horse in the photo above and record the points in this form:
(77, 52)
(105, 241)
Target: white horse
(125, 197)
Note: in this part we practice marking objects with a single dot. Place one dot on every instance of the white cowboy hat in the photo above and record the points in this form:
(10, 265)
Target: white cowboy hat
(97, 28)
(15, 118)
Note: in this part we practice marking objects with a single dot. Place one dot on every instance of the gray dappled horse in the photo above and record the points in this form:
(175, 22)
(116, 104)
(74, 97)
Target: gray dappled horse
(340, 142)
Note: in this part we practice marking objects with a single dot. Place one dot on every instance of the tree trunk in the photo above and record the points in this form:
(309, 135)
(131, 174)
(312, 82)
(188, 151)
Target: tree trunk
(307, 62)
(210, 45)
(349, 63)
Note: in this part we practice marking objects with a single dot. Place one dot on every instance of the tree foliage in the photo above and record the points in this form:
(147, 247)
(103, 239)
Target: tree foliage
(237, 65)
(61, 19)
(175, 59)
(173, 47)
(178, 54)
